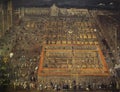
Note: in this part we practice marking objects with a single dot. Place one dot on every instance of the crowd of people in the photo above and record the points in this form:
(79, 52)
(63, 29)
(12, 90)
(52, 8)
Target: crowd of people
(59, 31)
(82, 83)
(61, 58)
(27, 41)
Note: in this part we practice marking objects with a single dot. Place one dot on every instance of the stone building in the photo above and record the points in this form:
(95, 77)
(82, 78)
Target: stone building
(51, 11)
(5, 16)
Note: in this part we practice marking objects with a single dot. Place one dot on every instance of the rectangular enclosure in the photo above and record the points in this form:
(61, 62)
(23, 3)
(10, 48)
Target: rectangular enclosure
(72, 60)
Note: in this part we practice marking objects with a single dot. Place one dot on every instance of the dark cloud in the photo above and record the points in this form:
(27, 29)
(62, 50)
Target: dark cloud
(61, 3)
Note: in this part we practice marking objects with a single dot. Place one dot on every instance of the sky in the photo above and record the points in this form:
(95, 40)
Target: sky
(61, 3)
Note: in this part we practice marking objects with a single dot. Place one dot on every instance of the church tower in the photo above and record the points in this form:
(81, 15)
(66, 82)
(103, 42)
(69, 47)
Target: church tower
(54, 10)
